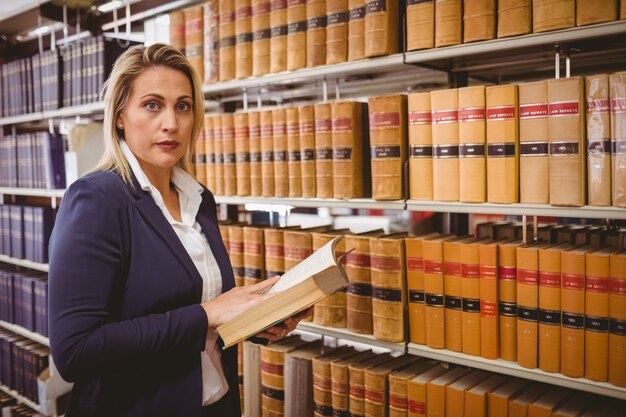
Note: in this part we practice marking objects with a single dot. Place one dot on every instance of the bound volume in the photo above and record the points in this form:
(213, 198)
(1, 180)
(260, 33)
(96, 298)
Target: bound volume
(617, 84)
(617, 314)
(356, 34)
(598, 140)
(194, 37)
(336, 31)
(331, 311)
(228, 138)
(340, 379)
(420, 24)
(445, 129)
(227, 40)
(218, 148)
(470, 293)
(381, 27)
(448, 22)
(323, 150)
(311, 280)
(211, 41)
(254, 131)
(306, 116)
(261, 34)
(296, 34)
(279, 140)
(488, 272)
(293, 152)
(235, 253)
(347, 147)
(316, 33)
(453, 313)
(274, 252)
(243, 39)
(298, 374)
(589, 12)
(472, 137)
(278, 35)
(553, 14)
(209, 151)
(514, 18)
(266, 122)
(242, 153)
(479, 20)
(507, 299)
(420, 147)
(253, 255)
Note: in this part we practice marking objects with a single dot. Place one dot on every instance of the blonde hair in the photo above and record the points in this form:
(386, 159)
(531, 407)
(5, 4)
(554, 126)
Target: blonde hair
(117, 89)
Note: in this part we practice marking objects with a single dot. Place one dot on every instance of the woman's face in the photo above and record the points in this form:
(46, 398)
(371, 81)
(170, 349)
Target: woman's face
(158, 119)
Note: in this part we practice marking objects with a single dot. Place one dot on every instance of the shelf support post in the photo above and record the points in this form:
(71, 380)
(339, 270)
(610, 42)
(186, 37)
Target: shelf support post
(524, 231)
(324, 90)
(245, 98)
(557, 61)
(535, 229)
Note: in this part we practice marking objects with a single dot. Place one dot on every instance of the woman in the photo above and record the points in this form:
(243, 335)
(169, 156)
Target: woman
(139, 276)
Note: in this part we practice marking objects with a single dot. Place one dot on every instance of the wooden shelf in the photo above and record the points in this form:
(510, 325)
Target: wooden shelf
(357, 203)
(26, 333)
(346, 335)
(25, 263)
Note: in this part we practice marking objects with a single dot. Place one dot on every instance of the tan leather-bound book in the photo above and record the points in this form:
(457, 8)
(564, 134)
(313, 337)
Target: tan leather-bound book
(488, 273)
(279, 135)
(177, 29)
(479, 20)
(472, 140)
(336, 31)
(306, 116)
(566, 130)
(432, 251)
(293, 152)
(377, 383)
(420, 146)
(445, 130)
(356, 372)
(358, 270)
(455, 391)
(274, 249)
(498, 401)
(331, 311)
(235, 253)
(381, 27)
(278, 35)
(218, 149)
(387, 121)
(272, 374)
(194, 37)
(548, 403)
(528, 304)
(436, 391)
(323, 150)
(356, 29)
(209, 152)
(415, 288)
(514, 17)
(573, 311)
(470, 292)
(340, 380)
(388, 287)
(261, 34)
(225, 232)
(617, 87)
(347, 147)
(507, 299)
(622, 10)
(297, 247)
(533, 136)
(597, 280)
(476, 398)
(574, 406)
(448, 22)
(420, 24)
(227, 39)
(254, 131)
(502, 144)
(416, 390)
(322, 379)
(315, 33)
(617, 326)
(266, 122)
(252, 378)
(228, 138)
(199, 158)
(242, 153)
(398, 404)
(243, 38)
(598, 140)
(452, 283)
(211, 41)
(553, 14)
(550, 306)
(253, 255)
(519, 406)
(589, 12)
(296, 34)
(298, 377)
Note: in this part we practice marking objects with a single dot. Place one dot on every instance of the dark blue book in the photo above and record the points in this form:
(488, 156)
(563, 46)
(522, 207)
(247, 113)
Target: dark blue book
(43, 222)
(5, 229)
(40, 288)
(29, 233)
(17, 232)
(28, 303)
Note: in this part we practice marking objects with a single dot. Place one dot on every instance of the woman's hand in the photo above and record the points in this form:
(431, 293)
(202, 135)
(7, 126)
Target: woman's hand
(235, 301)
(280, 330)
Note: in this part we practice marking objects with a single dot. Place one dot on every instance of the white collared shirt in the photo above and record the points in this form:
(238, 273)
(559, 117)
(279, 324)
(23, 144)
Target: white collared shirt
(214, 384)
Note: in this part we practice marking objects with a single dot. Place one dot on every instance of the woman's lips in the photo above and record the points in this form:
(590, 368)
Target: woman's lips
(168, 145)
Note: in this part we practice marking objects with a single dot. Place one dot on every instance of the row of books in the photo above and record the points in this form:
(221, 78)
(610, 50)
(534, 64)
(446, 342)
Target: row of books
(16, 410)
(32, 160)
(500, 144)
(293, 377)
(24, 299)
(23, 360)
(68, 76)
(25, 231)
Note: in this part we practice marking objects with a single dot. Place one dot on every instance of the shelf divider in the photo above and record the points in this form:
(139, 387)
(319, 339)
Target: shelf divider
(25, 263)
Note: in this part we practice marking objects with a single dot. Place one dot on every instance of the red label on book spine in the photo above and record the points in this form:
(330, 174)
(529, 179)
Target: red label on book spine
(252, 248)
(618, 105)
(444, 116)
(618, 286)
(342, 125)
(417, 407)
(549, 279)
(470, 270)
(565, 108)
(527, 276)
(399, 403)
(501, 113)
(338, 388)
(386, 263)
(358, 260)
(420, 118)
(598, 106)
(472, 114)
(278, 129)
(452, 268)
(323, 125)
(321, 383)
(374, 396)
(235, 247)
(275, 251)
(356, 392)
(296, 253)
(488, 308)
(597, 284)
(241, 132)
(272, 368)
(307, 127)
(532, 111)
(488, 272)
(573, 282)
(415, 264)
(384, 120)
(433, 267)
(508, 273)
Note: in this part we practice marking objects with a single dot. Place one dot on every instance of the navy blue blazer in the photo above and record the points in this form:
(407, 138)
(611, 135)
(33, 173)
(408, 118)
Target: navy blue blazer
(126, 326)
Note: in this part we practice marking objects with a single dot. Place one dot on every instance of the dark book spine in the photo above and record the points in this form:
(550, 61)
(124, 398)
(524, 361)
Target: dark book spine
(28, 237)
(17, 244)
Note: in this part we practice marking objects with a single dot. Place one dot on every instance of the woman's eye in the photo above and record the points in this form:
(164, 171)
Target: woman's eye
(151, 105)
(183, 106)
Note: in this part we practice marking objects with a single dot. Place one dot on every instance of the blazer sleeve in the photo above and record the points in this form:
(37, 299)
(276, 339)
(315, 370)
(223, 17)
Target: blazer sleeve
(86, 281)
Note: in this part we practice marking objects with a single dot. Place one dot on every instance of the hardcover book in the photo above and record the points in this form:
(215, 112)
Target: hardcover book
(356, 34)
(590, 12)
(322, 379)
(479, 20)
(194, 38)
(420, 25)
(420, 144)
(235, 253)
(476, 398)
(498, 401)
(488, 276)
(209, 152)
(211, 41)
(514, 17)
(552, 15)
(472, 138)
(261, 34)
(617, 314)
(331, 311)
(448, 22)
(381, 27)
(470, 293)
(598, 140)
(298, 377)
(348, 144)
(398, 403)
(253, 255)
(507, 299)
(279, 135)
(306, 117)
(294, 158)
(336, 31)
(228, 138)
(323, 150)
(296, 34)
(617, 86)
(254, 132)
(356, 372)
(445, 131)
(278, 35)
(242, 153)
(340, 381)
(454, 395)
(227, 56)
(436, 390)
(416, 390)
(377, 382)
(267, 152)
(243, 38)
(316, 33)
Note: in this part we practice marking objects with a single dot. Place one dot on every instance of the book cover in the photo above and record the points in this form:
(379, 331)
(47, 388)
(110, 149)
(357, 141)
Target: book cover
(420, 142)
(598, 140)
(274, 245)
(507, 299)
(296, 34)
(476, 398)
(242, 153)
(235, 253)
(243, 38)
(228, 140)
(177, 31)
(552, 15)
(514, 17)
(617, 92)
(267, 152)
(518, 407)
(549, 402)
(254, 132)
(306, 117)
(322, 379)
(252, 378)
(617, 314)
(316, 33)
(416, 390)
(533, 136)
(199, 158)
(445, 131)
(279, 141)
(218, 150)
(454, 395)
(298, 377)
(436, 390)
(253, 255)
(398, 380)
(323, 150)
(574, 406)
(472, 139)
(227, 39)
(340, 380)
(420, 25)
(452, 284)
(356, 34)
(448, 22)
(336, 31)
(261, 33)
(498, 401)
(381, 27)
(356, 374)
(502, 144)
(377, 383)
(278, 35)
(470, 293)
(387, 122)
(347, 147)
(194, 38)
(479, 20)
(297, 247)
(294, 165)
(331, 311)
(488, 293)
(589, 13)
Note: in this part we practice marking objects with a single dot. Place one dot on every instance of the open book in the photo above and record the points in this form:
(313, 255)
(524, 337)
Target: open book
(312, 280)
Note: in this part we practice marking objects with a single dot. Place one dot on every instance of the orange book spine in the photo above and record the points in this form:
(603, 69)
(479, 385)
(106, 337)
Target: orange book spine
(507, 302)
(549, 310)
(218, 148)
(415, 286)
(488, 272)
(254, 131)
(527, 305)
(267, 153)
(420, 147)
(573, 314)
(433, 288)
(617, 314)
(228, 138)
(293, 153)
(470, 291)
(209, 150)
(243, 38)
(453, 300)
(242, 154)
(279, 141)
(306, 117)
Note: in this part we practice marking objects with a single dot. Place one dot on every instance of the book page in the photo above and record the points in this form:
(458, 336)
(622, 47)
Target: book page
(314, 264)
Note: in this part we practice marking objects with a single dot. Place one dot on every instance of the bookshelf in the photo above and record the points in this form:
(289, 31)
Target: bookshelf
(359, 203)
(26, 333)
(22, 399)
(25, 263)
(32, 192)
(310, 327)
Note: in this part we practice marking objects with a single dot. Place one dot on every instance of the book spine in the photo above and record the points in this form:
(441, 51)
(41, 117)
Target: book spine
(359, 296)
(235, 253)
(507, 302)
(489, 326)
(617, 314)
(347, 150)
(316, 33)
(356, 29)
(445, 131)
(252, 378)
(211, 41)
(434, 289)
(306, 117)
(472, 137)
(253, 259)
(420, 145)
(553, 15)
(415, 289)
(227, 39)
(272, 381)
(479, 20)
(617, 87)
(598, 140)
(331, 311)
(177, 29)
(381, 27)
(323, 150)
(261, 34)
(336, 31)
(448, 22)
(589, 13)
(420, 24)
(322, 389)
(573, 314)
(514, 17)
(294, 165)
(274, 252)
(194, 38)
(549, 310)
(296, 34)
(225, 233)
(527, 305)
(453, 310)
(199, 158)
(470, 291)
(267, 153)
(254, 129)
(339, 388)
(416, 399)
(278, 35)
(597, 280)
(376, 393)
(218, 150)
(230, 170)
(243, 38)
(279, 146)
(242, 153)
